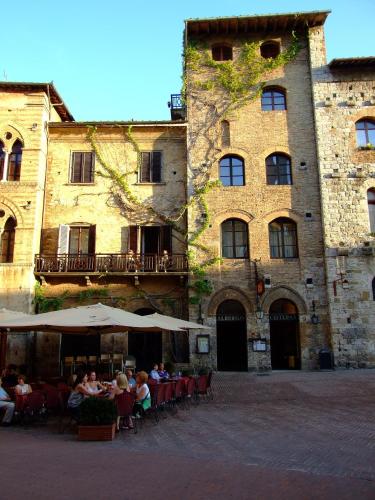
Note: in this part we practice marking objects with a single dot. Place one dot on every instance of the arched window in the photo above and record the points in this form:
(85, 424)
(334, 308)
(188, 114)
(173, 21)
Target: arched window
(283, 239)
(234, 239)
(365, 132)
(373, 289)
(273, 99)
(2, 159)
(15, 160)
(371, 208)
(225, 134)
(278, 169)
(232, 171)
(270, 50)
(7, 240)
(222, 53)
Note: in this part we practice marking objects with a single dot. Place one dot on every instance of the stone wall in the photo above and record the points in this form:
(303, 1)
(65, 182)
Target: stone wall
(341, 98)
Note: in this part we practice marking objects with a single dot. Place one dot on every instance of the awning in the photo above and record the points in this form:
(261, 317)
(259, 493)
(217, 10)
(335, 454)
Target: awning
(91, 319)
(170, 323)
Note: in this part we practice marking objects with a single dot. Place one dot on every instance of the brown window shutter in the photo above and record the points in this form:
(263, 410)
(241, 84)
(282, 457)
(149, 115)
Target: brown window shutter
(166, 239)
(87, 167)
(133, 239)
(75, 176)
(92, 239)
(145, 167)
(156, 166)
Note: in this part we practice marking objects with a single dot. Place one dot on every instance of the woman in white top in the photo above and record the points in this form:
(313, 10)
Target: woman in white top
(22, 389)
(93, 386)
(143, 399)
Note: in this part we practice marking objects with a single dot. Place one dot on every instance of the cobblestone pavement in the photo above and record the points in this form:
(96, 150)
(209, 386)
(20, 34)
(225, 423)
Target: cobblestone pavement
(284, 435)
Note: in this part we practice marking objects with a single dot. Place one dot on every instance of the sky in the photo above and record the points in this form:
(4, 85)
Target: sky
(121, 59)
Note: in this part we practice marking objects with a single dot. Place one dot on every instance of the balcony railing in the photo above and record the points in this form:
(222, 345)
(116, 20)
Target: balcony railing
(110, 263)
(177, 107)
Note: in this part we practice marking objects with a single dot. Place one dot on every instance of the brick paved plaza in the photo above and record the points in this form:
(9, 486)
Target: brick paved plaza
(285, 435)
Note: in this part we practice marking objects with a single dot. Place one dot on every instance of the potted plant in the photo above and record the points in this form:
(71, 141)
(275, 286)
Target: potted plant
(97, 420)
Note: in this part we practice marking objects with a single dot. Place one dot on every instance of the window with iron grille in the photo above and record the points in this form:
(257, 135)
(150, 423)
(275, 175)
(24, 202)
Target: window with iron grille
(150, 166)
(273, 100)
(371, 208)
(278, 169)
(283, 239)
(82, 169)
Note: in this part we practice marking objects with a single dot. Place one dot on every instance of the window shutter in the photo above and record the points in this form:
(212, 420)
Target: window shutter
(133, 239)
(63, 244)
(145, 167)
(92, 239)
(75, 176)
(87, 167)
(156, 166)
(166, 239)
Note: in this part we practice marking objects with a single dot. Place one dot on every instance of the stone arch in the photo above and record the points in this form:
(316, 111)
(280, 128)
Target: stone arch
(271, 150)
(232, 214)
(11, 210)
(283, 292)
(229, 293)
(283, 212)
(16, 132)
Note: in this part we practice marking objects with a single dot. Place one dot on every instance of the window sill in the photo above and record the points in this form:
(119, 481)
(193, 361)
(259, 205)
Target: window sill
(80, 184)
(286, 259)
(150, 183)
(366, 148)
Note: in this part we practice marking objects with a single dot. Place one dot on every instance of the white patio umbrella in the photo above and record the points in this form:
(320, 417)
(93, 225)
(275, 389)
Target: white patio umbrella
(8, 315)
(171, 323)
(91, 319)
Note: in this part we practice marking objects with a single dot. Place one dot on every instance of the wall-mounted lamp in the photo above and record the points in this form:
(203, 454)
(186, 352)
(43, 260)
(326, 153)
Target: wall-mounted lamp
(27, 205)
(259, 312)
(34, 126)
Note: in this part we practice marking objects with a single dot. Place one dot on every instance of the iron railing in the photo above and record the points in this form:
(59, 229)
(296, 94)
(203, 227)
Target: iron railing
(177, 107)
(114, 262)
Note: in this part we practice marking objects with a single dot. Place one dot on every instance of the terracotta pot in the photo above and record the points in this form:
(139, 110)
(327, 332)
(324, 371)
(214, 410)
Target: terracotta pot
(96, 432)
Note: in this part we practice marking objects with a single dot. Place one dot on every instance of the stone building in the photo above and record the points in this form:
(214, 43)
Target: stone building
(217, 215)
(265, 220)
(344, 107)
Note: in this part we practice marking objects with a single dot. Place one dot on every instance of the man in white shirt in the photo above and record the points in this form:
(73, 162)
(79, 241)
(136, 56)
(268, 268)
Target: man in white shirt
(6, 403)
(155, 373)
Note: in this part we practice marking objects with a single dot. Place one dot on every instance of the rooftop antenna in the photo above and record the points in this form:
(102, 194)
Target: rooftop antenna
(5, 75)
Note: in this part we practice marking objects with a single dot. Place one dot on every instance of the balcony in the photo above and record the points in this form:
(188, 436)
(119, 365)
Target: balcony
(114, 263)
(177, 107)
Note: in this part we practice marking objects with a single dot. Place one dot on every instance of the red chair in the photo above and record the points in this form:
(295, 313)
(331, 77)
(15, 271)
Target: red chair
(34, 408)
(201, 386)
(190, 391)
(125, 403)
(52, 402)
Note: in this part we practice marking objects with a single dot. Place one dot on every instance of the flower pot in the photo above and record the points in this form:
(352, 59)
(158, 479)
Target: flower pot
(96, 432)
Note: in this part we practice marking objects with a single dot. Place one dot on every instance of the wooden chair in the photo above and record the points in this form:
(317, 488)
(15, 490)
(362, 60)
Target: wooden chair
(118, 362)
(106, 360)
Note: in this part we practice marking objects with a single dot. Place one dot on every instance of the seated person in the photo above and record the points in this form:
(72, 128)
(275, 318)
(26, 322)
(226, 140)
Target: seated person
(22, 389)
(121, 386)
(162, 372)
(10, 377)
(143, 398)
(114, 381)
(8, 405)
(93, 386)
(131, 379)
(78, 394)
(155, 372)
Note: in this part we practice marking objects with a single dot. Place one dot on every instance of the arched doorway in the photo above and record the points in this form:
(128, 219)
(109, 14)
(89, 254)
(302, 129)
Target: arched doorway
(146, 347)
(284, 333)
(231, 336)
